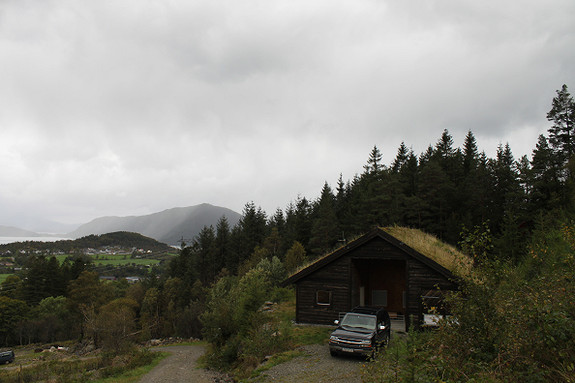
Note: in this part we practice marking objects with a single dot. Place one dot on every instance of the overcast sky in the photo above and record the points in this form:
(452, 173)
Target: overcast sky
(129, 107)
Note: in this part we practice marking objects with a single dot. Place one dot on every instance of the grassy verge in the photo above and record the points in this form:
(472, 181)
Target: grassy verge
(299, 335)
(304, 335)
(135, 374)
(3, 277)
(129, 367)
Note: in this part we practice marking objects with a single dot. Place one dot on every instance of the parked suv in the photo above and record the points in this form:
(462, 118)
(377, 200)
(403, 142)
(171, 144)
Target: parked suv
(361, 332)
(7, 356)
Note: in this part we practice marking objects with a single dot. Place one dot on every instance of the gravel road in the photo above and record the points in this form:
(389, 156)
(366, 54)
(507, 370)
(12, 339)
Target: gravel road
(180, 367)
(316, 366)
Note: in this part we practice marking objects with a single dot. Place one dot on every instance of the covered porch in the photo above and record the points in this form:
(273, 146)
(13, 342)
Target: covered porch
(381, 283)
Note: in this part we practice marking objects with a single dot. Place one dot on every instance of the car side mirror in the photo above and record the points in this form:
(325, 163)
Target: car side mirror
(336, 322)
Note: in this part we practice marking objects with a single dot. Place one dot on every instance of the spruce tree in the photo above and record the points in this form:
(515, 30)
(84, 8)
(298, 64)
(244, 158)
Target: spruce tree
(325, 229)
(562, 133)
(374, 165)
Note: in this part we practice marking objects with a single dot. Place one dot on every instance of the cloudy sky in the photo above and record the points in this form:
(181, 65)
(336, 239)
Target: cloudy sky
(129, 107)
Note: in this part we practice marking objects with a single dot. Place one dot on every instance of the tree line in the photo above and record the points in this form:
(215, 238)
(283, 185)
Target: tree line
(443, 191)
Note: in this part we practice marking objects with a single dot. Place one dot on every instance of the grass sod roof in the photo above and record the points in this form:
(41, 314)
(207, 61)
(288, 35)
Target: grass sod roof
(428, 245)
(432, 247)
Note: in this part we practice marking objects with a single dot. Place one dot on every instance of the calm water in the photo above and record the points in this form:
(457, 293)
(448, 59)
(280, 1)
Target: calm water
(4, 240)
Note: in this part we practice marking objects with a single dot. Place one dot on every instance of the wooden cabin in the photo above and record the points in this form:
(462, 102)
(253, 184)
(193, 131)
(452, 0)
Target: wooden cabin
(378, 269)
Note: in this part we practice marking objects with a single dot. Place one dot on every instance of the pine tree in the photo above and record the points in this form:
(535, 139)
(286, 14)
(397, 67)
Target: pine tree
(252, 231)
(562, 133)
(400, 159)
(470, 153)
(374, 165)
(206, 255)
(545, 188)
(222, 243)
(507, 192)
(325, 230)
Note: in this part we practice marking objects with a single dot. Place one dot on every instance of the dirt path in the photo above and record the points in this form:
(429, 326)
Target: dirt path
(180, 367)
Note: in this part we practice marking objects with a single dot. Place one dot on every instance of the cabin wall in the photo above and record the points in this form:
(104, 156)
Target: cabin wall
(422, 278)
(334, 278)
(341, 279)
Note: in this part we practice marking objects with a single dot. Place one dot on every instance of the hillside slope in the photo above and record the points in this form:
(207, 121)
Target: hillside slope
(168, 226)
(10, 231)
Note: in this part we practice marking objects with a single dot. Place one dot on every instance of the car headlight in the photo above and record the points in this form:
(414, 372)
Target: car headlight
(333, 338)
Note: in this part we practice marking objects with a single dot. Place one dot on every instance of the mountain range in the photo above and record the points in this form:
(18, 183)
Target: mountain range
(169, 226)
(11, 231)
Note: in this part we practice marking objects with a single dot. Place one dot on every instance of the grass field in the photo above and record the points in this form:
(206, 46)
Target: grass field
(115, 260)
(3, 277)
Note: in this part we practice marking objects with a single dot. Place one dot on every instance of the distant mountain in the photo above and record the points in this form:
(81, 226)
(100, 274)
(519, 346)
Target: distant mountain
(46, 226)
(168, 226)
(9, 231)
(39, 225)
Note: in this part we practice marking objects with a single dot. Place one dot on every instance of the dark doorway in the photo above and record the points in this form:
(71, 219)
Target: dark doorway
(380, 283)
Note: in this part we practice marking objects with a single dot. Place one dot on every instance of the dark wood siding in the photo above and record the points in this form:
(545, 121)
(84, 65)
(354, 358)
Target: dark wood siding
(336, 278)
(377, 248)
(422, 278)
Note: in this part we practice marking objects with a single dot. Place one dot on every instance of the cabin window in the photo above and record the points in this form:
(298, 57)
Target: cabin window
(323, 297)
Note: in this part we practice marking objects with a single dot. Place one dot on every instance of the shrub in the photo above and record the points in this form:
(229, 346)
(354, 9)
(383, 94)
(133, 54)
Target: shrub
(513, 324)
(239, 333)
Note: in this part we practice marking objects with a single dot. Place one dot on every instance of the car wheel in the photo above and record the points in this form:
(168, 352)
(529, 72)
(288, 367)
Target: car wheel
(333, 353)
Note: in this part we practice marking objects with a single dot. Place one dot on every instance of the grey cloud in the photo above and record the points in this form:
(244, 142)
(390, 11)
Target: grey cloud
(124, 107)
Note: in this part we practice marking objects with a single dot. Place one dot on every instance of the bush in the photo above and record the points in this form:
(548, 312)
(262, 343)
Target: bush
(513, 324)
(239, 333)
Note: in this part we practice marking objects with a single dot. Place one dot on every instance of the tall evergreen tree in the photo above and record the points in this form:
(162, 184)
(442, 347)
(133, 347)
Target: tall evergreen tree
(222, 243)
(252, 231)
(325, 229)
(401, 158)
(507, 192)
(206, 254)
(545, 178)
(470, 153)
(374, 164)
(562, 133)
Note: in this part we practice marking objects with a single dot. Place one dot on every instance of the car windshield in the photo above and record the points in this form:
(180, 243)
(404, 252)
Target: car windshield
(358, 321)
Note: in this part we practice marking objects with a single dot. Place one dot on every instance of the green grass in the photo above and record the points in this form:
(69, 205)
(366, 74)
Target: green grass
(127, 261)
(3, 277)
(305, 335)
(82, 369)
(301, 334)
(136, 374)
(115, 260)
